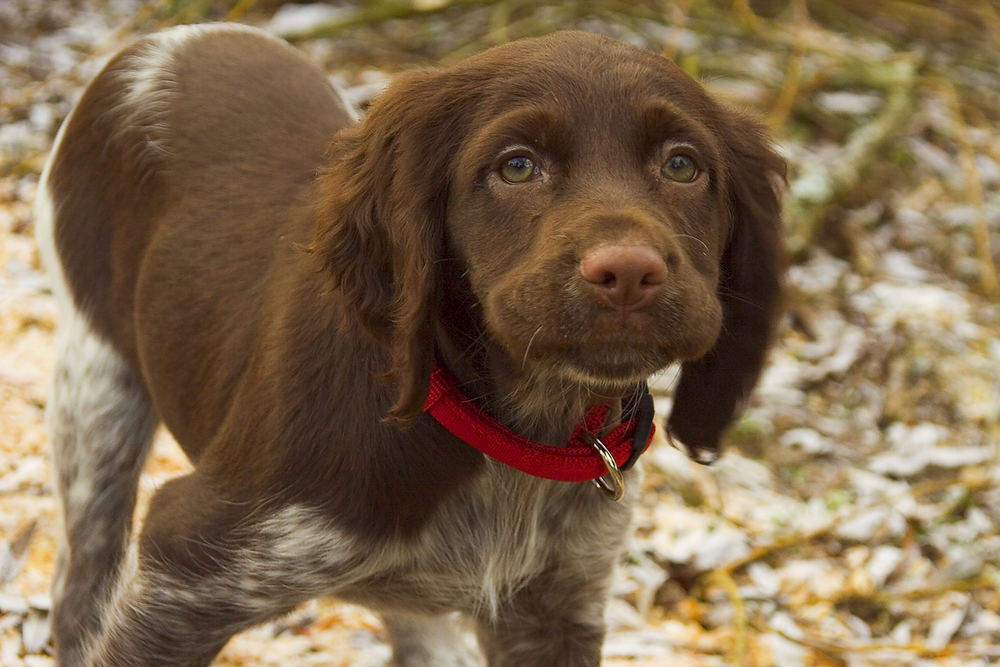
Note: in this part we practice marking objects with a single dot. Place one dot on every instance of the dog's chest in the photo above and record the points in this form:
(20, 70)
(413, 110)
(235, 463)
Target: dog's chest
(493, 538)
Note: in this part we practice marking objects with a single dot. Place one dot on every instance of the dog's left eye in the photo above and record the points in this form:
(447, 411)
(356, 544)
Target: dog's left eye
(518, 169)
(680, 168)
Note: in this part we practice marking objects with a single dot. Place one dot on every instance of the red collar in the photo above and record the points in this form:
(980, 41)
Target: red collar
(578, 461)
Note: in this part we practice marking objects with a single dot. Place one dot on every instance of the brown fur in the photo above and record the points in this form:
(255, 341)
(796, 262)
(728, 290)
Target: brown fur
(283, 298)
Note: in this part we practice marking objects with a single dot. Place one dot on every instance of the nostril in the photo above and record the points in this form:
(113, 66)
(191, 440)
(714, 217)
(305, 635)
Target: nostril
(656, 272)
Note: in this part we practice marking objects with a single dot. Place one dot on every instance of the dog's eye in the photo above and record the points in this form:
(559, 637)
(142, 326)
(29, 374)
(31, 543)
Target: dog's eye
(680, 168)
(518, 169)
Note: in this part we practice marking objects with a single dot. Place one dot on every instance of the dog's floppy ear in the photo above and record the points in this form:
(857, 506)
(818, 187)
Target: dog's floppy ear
(381, 222)
(712, 389)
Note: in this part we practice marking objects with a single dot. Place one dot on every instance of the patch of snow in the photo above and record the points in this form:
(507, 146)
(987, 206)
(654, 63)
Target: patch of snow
(891, 303)
(883, 562)
(294, 18)
(915, 448)
(846, 102)
(900, 265)
(820, 275)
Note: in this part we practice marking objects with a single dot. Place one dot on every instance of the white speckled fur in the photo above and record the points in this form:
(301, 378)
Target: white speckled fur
(100, 426)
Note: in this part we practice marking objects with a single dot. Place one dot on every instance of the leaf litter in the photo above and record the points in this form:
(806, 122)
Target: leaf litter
(855, 518)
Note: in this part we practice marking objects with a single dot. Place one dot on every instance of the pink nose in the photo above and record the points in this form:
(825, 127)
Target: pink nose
(624, 276)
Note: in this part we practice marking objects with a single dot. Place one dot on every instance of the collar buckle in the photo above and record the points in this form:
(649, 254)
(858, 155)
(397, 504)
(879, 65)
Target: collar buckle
(616, 489)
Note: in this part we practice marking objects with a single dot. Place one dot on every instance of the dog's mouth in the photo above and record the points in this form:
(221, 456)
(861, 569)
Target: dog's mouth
(599, 348)
(602, 366)
(605, 383)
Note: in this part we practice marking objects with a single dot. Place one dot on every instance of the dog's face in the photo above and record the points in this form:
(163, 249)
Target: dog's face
(606, 215)
(588, 154)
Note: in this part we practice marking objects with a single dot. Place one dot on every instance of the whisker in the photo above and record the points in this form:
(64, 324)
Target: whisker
(524, 359)
(736, 296)
(633, 402)
(695, 239)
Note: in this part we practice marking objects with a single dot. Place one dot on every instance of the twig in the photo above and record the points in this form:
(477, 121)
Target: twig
(834, 649)
(790, 87)
(746, 14)
(973, 186)
(522, 27)
(737, 654)
(240, 9)
(679, 12)
(971, 482)
(982, 582)
(816, 189)
(500, 22)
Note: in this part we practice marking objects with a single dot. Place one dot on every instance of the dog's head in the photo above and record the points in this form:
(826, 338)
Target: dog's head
(607, 217)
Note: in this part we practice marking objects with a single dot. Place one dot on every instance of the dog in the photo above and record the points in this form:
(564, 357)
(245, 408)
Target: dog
(397, 350)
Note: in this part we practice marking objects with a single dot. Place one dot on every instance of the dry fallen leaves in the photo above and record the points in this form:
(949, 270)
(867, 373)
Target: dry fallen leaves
(854, 520)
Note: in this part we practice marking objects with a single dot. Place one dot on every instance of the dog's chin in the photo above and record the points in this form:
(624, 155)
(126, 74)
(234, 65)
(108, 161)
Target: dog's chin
(604, 385)
(606, 376)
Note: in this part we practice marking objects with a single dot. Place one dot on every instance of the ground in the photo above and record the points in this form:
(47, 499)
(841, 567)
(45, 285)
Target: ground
(855, 517)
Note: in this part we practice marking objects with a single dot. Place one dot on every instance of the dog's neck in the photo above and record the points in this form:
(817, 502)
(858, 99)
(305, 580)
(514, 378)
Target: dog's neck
(540, 407)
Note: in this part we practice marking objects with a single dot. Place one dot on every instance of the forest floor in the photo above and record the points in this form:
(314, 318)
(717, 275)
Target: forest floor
(855, 516)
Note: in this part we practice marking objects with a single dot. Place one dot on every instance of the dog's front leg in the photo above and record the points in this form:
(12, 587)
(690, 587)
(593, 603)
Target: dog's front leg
(556, 620)
(428, 641)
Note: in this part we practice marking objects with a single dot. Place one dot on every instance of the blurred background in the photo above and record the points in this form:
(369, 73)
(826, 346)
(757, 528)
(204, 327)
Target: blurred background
(855, 517)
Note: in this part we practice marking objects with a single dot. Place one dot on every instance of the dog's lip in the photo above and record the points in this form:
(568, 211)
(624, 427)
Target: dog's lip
(612, 374)
(587, 347)
(619, 326)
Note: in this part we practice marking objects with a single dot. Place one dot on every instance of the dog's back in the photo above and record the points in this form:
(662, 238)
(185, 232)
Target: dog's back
(187, 153)
(190, 144)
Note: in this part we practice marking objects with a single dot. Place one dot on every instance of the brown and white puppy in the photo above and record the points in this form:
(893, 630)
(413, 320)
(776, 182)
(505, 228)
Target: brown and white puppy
(552, 221)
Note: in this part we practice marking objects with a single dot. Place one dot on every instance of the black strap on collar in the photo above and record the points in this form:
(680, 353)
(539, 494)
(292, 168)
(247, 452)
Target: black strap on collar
(642, 404)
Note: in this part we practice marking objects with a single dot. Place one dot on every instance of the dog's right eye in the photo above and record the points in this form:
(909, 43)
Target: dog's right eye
(518, 169)
(680, 168)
